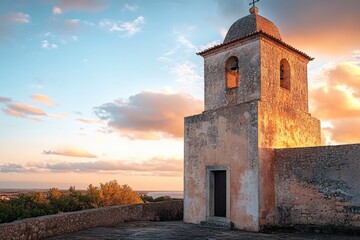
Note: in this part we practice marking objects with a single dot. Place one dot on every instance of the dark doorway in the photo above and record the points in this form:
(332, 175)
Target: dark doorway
(220, 193)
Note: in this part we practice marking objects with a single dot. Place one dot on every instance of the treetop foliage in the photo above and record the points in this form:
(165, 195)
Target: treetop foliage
(55, 201)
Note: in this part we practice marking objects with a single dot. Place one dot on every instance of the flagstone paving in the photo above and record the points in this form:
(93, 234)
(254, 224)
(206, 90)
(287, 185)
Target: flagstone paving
(179, 230)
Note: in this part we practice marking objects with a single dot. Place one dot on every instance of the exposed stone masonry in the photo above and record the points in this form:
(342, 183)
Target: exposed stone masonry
(318, 186)
(59, 224)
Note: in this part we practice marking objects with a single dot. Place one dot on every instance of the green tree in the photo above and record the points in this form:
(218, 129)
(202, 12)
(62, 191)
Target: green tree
(71, 201)
(55, 201)
(94, 195)
(8, 211)
(147, 198)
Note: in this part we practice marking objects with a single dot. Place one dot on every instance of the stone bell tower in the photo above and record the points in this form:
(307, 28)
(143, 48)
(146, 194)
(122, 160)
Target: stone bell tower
(256, 99)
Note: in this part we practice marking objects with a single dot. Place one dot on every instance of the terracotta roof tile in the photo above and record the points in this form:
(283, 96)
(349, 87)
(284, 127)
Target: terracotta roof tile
(257, 33)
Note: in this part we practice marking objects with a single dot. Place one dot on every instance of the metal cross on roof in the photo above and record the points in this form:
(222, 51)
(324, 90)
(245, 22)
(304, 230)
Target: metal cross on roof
(253, 2)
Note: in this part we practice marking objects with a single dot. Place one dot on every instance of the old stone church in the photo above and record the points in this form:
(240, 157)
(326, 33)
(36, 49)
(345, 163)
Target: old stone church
(252, 158)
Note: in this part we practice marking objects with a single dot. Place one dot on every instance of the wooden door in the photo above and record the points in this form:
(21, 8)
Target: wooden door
(220, 193)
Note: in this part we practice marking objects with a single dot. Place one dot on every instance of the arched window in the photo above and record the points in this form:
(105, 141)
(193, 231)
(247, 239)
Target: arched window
(232, 72)
(284, 74)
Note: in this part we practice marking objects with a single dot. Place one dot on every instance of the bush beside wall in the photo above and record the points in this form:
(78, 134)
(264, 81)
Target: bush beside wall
(59, 224)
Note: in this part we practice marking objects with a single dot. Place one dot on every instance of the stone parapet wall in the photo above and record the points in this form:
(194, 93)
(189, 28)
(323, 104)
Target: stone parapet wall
(318, 186)
(53, 225)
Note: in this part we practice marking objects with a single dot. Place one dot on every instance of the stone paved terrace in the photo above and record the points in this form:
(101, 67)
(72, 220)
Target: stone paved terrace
(179, 230)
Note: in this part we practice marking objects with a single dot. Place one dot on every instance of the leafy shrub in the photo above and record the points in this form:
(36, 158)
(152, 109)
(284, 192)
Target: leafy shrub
(55, 201)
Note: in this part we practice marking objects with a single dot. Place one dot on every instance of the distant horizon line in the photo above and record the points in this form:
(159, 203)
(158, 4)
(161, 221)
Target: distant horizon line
(34, 189)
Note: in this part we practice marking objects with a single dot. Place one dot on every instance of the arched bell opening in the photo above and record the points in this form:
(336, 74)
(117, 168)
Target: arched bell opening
(232, 72)
(285, 74)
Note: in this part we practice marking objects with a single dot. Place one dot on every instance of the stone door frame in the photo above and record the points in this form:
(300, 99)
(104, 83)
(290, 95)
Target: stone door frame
(210, 193)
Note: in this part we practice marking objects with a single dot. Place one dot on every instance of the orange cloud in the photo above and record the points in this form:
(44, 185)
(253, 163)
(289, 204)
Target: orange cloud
(338, 102)
(346, 130)
(150, 115)
(57, 10)
(70, 152)
(83, 5)
(88, 121)
(156, 166)
(308, 25)
(18, 109)
(323, 40)
(43, 99)
(312, 27)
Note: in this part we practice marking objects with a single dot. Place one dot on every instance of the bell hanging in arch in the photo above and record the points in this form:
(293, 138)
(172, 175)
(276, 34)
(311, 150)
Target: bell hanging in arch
(235, 65)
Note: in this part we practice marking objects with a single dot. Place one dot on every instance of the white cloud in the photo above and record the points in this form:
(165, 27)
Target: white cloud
(72, 25)
(356, 55)
(9, 19)
(168, 56)
(223, 32)
(185, 72)
(91, 24)
(58, 115)
(209, 45)
(72, 22)
(17, 17)
(11, 167)
(129, 28)
(48, 34)
(129, 7)
(46, 45)
(5, 99)
(181, 39)
(57, 10)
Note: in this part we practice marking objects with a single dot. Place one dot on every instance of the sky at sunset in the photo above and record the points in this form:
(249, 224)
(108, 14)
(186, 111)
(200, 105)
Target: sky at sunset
(92, 91)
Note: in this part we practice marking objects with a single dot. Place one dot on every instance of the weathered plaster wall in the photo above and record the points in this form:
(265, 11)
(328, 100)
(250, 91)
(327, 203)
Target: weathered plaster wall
(225, 137)
(318, 186)
(284, 120)
(266, 187)
(53, 225)
(216, 96)
(271, 55)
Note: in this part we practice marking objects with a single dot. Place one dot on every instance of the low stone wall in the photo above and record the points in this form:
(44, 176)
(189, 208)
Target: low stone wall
(318, 187)
(53, 225)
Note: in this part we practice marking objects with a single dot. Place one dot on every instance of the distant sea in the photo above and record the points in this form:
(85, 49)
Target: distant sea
(154, 194)
(172, 194)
